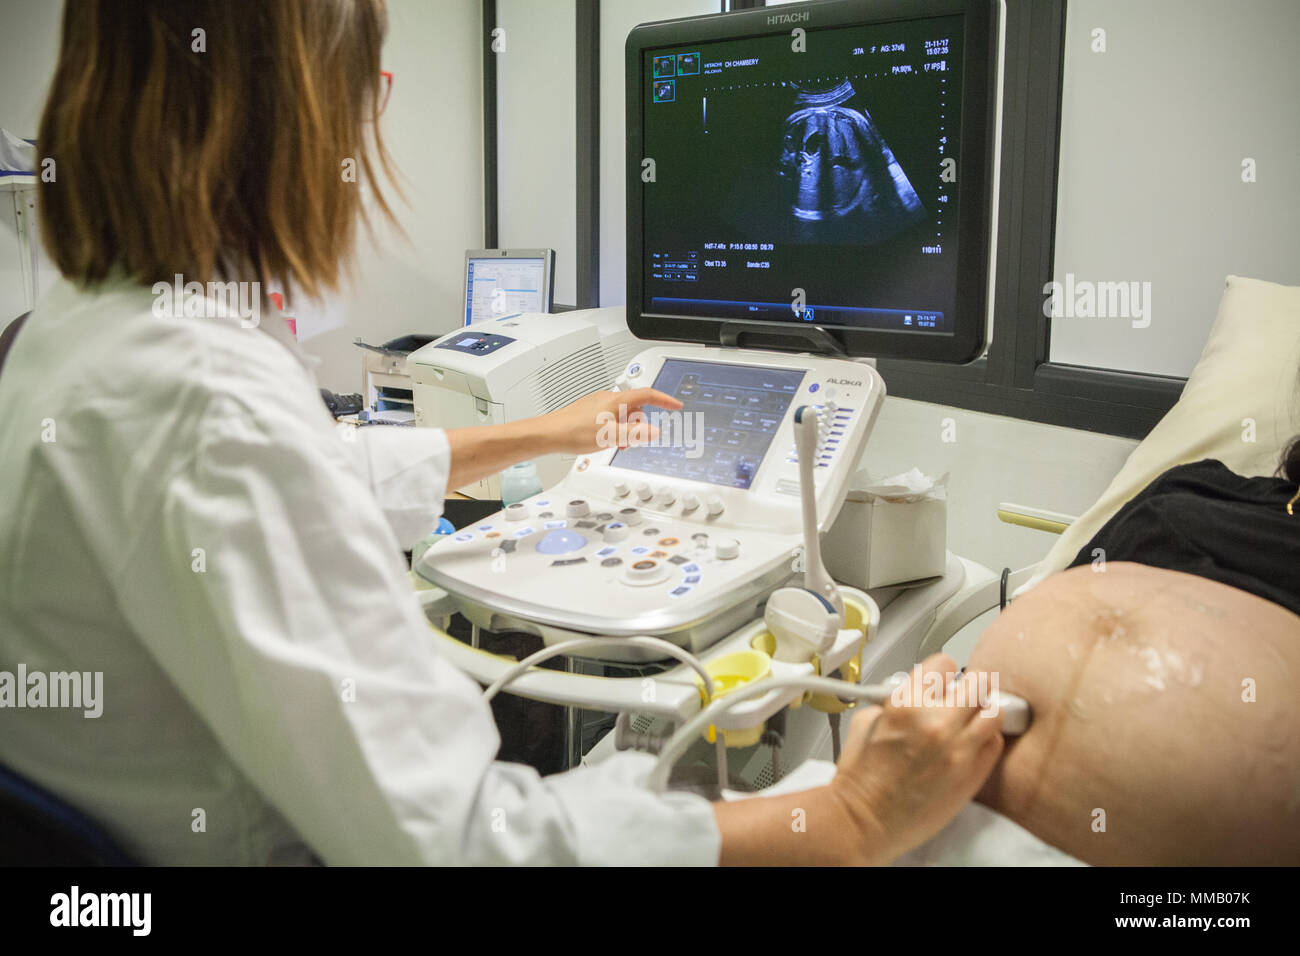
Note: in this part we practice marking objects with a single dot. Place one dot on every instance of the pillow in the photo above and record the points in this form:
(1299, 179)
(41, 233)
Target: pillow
(1241, 405)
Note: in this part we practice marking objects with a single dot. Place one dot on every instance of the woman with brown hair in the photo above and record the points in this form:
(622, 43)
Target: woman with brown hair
(181, 517)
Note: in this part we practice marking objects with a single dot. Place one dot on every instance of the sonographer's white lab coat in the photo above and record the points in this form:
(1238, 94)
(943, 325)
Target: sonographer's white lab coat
(180, 513)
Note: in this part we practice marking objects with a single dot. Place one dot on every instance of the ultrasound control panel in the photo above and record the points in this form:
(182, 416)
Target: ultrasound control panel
(683, 538)
(729, 416)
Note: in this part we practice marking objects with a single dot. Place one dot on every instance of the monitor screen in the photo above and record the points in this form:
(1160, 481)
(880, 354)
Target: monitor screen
(729, 416)
(813, 179)
(496, 287)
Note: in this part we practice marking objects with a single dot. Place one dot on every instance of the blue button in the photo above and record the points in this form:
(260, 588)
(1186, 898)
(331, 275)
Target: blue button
(692, 579)
(551, 525)
(463, 537)
(485, 527)
(691, 568)
(561, 542)
(813, 387)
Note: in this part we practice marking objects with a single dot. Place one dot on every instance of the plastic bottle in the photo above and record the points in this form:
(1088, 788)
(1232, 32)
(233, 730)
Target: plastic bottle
(519, 482)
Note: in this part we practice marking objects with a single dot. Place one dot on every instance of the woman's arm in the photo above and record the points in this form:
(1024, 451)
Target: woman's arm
(601, 420)
(904, 773)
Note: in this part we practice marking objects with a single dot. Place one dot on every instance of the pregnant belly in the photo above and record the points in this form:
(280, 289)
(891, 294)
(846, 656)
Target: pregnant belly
(1166, 718)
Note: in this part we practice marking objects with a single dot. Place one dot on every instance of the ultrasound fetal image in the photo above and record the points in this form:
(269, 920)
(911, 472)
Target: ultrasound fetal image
(837, 173)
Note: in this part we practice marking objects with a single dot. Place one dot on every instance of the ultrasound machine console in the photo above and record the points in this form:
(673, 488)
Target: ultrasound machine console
(683, 539)
(808, 189)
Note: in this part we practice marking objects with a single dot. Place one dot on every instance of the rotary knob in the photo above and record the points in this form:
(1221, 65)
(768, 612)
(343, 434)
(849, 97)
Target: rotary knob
(577, 508)
(615, 532)
(689, 503)
(643, 491)
(715, 505)
(665, 497)
(727, 549)
(630, 516)
(645, 571)
(517, 511)
(621, 489)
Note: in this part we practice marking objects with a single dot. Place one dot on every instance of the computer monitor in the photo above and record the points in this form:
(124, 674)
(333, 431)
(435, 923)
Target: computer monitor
(814, 176)
(501, 282)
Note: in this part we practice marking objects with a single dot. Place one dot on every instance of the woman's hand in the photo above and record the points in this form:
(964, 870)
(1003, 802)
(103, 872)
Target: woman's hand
(905, 771)
(604, 420)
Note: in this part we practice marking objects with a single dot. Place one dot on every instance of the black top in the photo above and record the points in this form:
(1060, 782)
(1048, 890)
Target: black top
(1205, 520)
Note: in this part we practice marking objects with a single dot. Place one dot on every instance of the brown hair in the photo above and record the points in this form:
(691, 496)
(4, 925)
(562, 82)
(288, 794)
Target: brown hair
(210, 138)
(1289, 468)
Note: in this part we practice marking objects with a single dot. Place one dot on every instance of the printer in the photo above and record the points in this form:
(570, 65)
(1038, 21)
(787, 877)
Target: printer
(518, 366)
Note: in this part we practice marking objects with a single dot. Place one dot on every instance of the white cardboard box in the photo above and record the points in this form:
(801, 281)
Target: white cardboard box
(875, 543)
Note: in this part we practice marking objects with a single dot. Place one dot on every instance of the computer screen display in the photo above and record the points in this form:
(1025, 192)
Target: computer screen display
(811, 176)
(496, 287)
(729, 416)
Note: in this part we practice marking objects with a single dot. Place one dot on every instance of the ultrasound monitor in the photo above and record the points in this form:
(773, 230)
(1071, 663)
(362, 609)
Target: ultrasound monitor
(502, 282)
(813, 176)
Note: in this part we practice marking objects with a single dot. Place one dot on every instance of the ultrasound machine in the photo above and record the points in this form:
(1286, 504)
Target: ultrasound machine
(809, 188)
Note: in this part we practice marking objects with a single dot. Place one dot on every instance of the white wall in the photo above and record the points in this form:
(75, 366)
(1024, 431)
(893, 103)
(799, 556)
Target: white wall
(29, 47)
(537, 129)
(990, 460)
(1153, 134)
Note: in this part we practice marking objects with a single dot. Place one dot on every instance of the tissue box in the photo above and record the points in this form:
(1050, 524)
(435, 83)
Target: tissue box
(875, 542)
